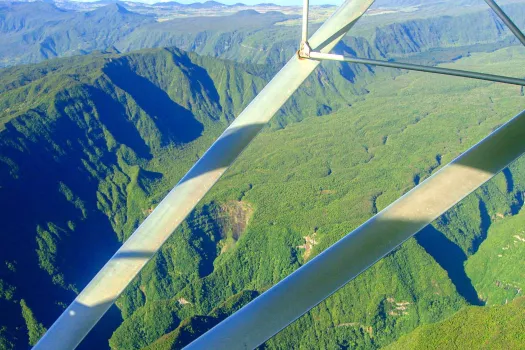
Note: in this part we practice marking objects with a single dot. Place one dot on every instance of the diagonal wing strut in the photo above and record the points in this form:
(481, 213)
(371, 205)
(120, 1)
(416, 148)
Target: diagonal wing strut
(309, 285)
(322, 276)
(104, 289)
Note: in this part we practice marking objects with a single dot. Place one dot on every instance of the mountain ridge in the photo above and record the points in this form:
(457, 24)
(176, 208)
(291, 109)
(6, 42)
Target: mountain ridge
(94, 142)
(257, 39)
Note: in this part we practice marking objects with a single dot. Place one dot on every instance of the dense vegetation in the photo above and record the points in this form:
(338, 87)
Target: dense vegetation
(498, 269)
(90, 144)
(75, 147)
(106, 178)
(321, 189)
(32, 32)
(497, 327)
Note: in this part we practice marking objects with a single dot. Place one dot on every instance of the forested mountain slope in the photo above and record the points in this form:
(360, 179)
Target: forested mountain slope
(32, 32)
(497, 269)
(88, 149)
(76, 146)
(274, 44)
(317, 180)
(497, 327)
(90, 144)
(497, 272)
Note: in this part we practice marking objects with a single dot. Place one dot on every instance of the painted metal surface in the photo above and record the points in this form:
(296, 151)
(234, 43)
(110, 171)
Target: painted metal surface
(419, 68)
(332, 269)
(506, 19)
(91, 304)
(304, 32)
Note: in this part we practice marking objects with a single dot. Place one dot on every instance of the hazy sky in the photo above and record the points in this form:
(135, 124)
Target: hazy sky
(249, 2)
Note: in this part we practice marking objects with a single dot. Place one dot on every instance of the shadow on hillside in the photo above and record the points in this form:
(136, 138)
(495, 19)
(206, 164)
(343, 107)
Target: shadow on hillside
(200, 81)
(113, 115)
(36, 212)
(451, 258)
(484, 226)
(518, 197)
(103, 330)
(368, 242)
(176, 123)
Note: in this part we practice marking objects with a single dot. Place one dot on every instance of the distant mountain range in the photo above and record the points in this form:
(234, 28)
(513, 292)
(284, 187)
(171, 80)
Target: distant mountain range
(36, 31)
(215, 4)
(174, 9)
(409, 3)
(196, 5)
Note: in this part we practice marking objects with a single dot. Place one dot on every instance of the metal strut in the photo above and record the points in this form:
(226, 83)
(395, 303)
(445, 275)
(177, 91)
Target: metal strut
(304, 34)
(322, 276)
(315, 281)
(419, 68)
(506, 19)
(304, 48)
(91, 304)
(329, 271)
(306, 52)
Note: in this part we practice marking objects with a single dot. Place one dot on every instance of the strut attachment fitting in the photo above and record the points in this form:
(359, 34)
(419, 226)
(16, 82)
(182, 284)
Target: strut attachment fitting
(306, 52)
(304, 48)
